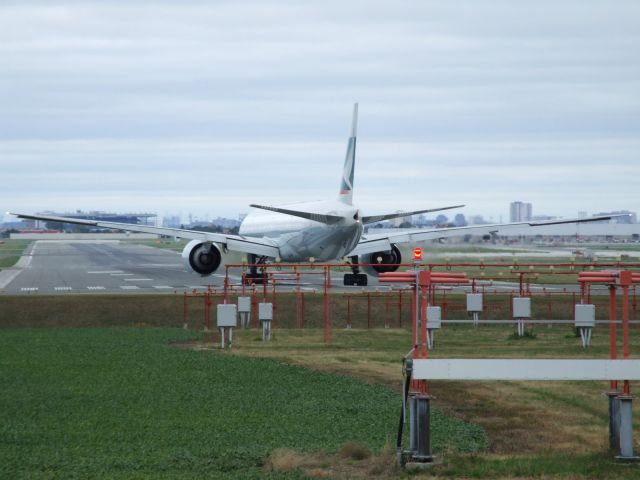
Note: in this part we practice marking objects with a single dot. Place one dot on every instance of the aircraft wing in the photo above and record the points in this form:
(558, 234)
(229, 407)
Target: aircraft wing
(377, 242)
(238, 243)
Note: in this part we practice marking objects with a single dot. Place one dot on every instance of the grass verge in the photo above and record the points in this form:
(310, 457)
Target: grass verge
(11, 251)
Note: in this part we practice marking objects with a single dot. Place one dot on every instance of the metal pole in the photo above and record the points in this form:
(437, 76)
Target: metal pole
(185, 311)
(400, 308)
(614, 420)
(625, 331)
(612, 329)
(327, 317)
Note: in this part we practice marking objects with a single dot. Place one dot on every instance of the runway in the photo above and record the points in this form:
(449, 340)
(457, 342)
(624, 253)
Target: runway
(76, 267)
(103, 267)
(59, 267)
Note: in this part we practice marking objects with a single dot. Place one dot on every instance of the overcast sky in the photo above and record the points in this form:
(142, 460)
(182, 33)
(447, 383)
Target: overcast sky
(205, 107)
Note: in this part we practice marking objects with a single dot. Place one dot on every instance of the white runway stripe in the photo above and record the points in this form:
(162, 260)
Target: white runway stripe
(121, 274)
(62, 289)
(96, 288)
(130, 287)
(29, 289)
(137, 279)
(159, 287)
(106, 271)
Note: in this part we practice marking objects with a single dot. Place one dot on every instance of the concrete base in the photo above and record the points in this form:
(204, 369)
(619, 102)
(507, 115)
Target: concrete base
(419, 466)
(627, 459)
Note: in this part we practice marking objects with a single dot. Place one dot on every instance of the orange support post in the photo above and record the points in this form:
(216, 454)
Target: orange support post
(185, 310)
(327, 315)
(626, 279)
(613, 341)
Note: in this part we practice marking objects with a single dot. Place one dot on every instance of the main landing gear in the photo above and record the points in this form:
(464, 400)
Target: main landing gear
(355, 279)
(253, 276)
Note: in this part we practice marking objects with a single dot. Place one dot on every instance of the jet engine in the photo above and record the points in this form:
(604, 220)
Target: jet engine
(382, 261)
(202, 258)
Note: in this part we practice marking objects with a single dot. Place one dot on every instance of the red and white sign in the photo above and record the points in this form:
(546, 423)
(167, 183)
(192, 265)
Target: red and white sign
(417, 253)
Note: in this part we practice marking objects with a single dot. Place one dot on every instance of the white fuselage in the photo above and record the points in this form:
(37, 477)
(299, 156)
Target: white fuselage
(300, 239)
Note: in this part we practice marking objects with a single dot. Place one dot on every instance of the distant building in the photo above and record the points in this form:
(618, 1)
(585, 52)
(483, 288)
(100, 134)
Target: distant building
(520, 212)
(396, 222)
(171, 221)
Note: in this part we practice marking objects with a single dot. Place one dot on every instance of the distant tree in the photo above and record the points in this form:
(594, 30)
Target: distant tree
(441, 219)
(7, 233)
(406, 224)
(57, 226)
(208, 228)
(459, 220)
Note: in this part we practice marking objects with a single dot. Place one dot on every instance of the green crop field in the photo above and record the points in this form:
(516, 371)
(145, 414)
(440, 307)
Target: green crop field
(127, 403)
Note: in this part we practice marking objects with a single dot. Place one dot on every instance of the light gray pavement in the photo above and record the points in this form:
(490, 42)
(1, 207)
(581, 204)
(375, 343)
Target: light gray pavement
(101, 267)
(59, 267)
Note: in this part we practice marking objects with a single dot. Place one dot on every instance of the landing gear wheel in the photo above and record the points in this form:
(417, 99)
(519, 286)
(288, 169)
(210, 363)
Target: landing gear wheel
(355, 279)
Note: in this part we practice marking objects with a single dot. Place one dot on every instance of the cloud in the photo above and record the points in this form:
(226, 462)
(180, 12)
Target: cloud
(208, 106)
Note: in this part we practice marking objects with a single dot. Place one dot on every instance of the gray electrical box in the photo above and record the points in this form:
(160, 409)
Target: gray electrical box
(244, 304)
(521, 307)
(434, 318)
(474, 302)
(585, 315)
(265, 311)
(227, 315)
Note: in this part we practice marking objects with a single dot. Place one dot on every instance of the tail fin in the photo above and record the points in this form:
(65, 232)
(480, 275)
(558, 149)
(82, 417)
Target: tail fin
(346, 187)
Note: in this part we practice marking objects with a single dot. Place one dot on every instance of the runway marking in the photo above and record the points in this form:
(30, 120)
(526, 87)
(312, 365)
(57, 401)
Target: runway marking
(29, 289)
(162, 287)
(130, 287)
(196, 287)
(96, 288)
(121, 274)
(61, 289)
(160, 265)
(112, 272)
(137, 279)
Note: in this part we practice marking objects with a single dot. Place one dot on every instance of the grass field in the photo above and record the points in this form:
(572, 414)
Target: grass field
(11, 250)
(535, 429)
(125, 403)
(168, 244)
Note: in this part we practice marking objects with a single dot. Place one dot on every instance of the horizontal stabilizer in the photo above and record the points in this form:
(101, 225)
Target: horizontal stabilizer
(316, 217)
(390, 216)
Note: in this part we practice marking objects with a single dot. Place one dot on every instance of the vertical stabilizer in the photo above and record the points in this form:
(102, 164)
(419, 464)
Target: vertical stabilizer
(346, 187)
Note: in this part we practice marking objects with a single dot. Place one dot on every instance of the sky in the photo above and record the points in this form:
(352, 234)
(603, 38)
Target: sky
(203, 107)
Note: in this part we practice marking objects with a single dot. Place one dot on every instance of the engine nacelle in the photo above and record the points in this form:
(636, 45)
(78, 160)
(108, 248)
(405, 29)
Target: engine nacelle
(382, 262)
(202, 258)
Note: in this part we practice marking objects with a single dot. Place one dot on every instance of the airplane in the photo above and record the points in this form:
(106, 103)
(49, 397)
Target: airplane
(317, 231)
